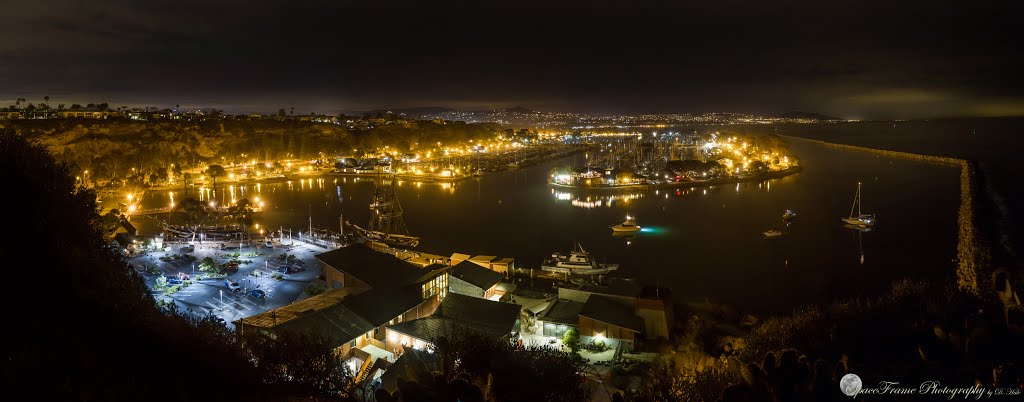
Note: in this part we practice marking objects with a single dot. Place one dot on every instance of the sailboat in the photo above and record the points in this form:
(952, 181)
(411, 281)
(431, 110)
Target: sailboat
(386, 224)
(861, 219)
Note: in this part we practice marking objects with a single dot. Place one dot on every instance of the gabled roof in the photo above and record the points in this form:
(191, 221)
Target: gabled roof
(338, 318)
(124, 239)
(378, 306)
(606, 310)
(337, 323)
(476, 275)
(429, 329)
(562, 311)
(463, 313)
(378, 270)
(483, 258)
(479, 312)
(129, 227)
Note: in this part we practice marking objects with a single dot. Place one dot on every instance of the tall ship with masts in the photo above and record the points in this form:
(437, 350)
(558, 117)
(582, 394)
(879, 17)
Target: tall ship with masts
(386, 224)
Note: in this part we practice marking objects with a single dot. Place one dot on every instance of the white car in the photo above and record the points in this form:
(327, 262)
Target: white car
(232, 285)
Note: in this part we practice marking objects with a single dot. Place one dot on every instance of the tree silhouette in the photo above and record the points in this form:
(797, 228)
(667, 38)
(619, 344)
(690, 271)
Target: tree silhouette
(131, 347)
(215, 171)
(193, 212)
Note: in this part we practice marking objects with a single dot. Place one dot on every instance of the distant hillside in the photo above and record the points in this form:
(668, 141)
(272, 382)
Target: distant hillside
(115, 149)
(409, 111)
(808, 115)
(517, 109)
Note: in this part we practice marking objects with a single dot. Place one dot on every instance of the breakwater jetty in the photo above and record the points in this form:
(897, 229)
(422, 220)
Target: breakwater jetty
(973, 258)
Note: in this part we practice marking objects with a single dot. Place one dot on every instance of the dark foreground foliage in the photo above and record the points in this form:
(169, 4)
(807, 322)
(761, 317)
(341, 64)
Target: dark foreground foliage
(79, 322)
(470, 367)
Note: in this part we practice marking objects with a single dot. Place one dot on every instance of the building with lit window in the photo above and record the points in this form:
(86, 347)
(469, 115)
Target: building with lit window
(471, 279)
(619, 314)
(457, 313)
(86, 113)
(371, 291)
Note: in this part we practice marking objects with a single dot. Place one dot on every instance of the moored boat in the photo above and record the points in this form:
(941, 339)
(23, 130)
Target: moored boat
(788, 215)
(861, 219)
(771, 234)
(628, 226)
(576, 262)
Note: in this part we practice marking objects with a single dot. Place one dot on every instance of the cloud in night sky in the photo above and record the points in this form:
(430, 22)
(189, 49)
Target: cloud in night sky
(867, 59)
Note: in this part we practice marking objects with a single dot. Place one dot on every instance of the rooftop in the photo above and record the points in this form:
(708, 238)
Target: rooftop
(459, 312)
(606, 310)
(479, 312)
(272, 318)
(483, 258)
(476, 275)
(372, 268)
(378, 306)
(562, 311)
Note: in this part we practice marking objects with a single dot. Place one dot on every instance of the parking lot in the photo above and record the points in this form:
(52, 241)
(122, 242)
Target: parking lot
(211, 295)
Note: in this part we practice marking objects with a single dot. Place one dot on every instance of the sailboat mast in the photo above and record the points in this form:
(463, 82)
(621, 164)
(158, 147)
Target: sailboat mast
(856, 201)
(859, 212)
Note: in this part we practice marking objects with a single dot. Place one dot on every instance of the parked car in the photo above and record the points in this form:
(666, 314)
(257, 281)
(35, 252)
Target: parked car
(290, 269)
(258, 294)
(232, 285)
(269, 244)
(173, 279)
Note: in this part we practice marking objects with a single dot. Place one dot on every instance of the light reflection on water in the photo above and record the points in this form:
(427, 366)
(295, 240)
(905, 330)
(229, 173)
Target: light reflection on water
(702, 242)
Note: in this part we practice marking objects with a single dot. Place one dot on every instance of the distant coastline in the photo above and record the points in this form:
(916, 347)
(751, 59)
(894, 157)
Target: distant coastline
(697, 183)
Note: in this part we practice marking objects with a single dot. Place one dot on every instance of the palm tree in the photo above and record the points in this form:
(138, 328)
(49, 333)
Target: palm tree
(215, 171)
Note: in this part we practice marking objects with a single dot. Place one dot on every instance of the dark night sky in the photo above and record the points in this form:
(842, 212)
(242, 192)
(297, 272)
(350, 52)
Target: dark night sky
(859, 59)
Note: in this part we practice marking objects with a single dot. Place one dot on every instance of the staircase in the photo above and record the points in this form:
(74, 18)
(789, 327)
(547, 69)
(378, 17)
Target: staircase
(364, 370)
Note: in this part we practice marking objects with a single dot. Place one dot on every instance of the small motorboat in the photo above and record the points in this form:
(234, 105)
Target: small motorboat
(788, 215)
(628, 226)
(771, 234)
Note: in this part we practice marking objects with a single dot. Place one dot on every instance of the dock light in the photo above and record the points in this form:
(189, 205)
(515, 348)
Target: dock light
(211, 204)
